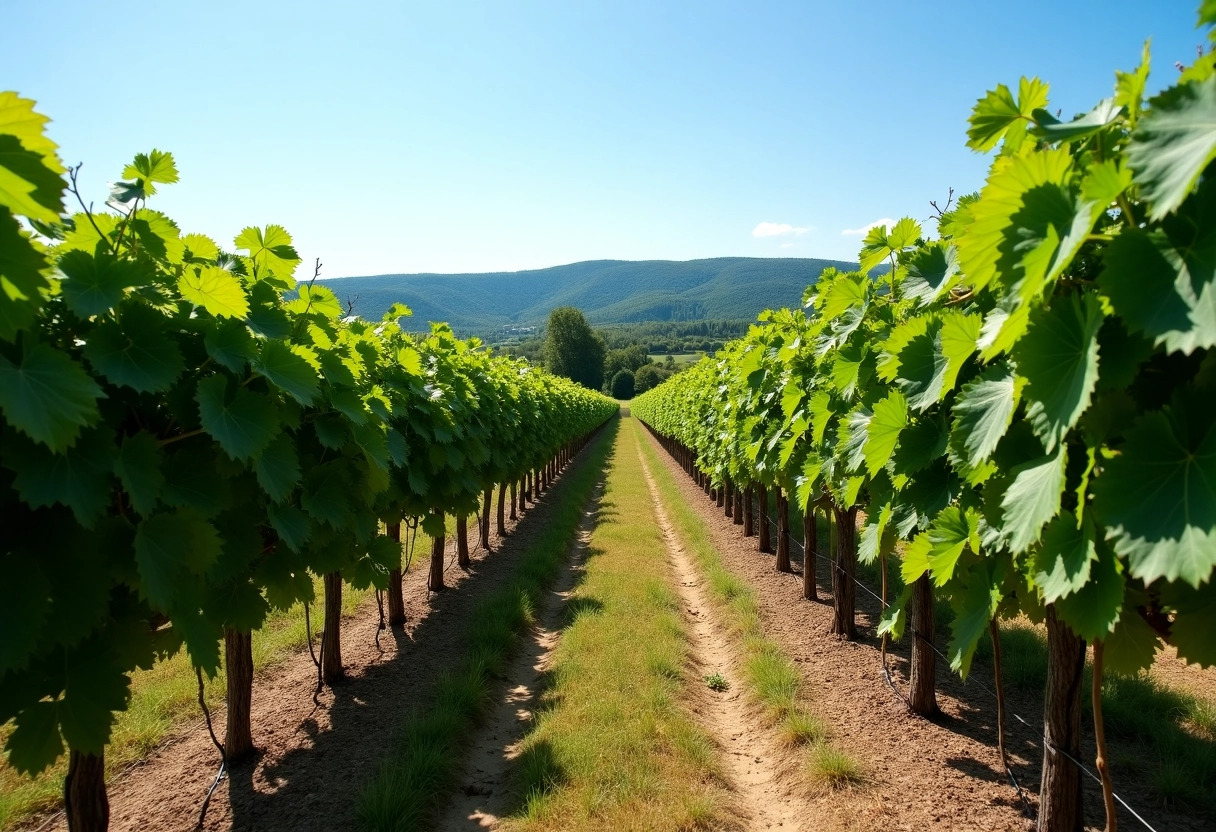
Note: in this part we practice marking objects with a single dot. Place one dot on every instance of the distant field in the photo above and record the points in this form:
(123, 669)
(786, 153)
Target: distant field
(679, 358)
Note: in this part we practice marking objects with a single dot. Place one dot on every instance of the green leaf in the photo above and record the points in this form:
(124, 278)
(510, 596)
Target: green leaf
(915, 559)
(216, 290)
(93, 285)
(18, 119)
(158, 236)
(270, 250)
(237, 604)
(983, 411)
(230, 345)
(998, 116)
(1157, 498)
(138, 469)
(952, 532)
(932, 271)
(34, 743)
(1048, 127)
(134, 350)
(242, 422)
(1028, 223)
(1132, 645)
(278, 468)
(1092, 610)
(1062, 563)
(974, 606)
(156, 166)
(291, 524)
(171, 547)
(78, 478)
(1033, 498)
(1058, 357)
(47, 396)
(1173, 143)
(22, 282)
(1163, 282)
(28, 186)
(920, 444)
(1129, 87)
(930, 363)
(882, 433)
(844, 292)
(289, 372)
(191, 480)
(96, 686)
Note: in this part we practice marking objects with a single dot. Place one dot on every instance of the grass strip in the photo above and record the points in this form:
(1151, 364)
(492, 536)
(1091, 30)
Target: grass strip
(163, 698)
(612, 746)
(424, 759)
(771, 677)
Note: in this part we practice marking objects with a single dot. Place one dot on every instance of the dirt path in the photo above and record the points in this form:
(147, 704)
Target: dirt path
(485, 794)
(313, 761)
(760, 771)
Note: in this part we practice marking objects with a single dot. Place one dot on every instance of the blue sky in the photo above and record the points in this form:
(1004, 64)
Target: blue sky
(477, 136)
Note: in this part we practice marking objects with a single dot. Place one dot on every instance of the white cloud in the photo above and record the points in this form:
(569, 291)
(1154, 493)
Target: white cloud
(886, 222)
(777, 229)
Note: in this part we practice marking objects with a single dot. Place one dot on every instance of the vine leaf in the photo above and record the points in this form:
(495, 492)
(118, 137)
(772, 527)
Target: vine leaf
(278, 468)
(952, 531)
(1172, 144)
(1161, 283)
(134, 351)
(214, 289)
(1058, 357)
(1094, 608)
(1062, 563)
(1158, 496)
(882, 433)
(170, 547)
(243, 422)
(95, 285)
(1105, 113)
(24, 606)
(138, 469)
(95, 686)
(998, 116)
(974, 604)
(1033, 498)
(1194, 623)
(269, 250)
(932, 271)
(983, 411)
(35, 743)
(78, 478)
(47, 396)
(288, 371)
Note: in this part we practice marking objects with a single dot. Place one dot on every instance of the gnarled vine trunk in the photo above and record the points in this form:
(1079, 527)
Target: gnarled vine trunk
(738, 515)
(922, 686)
(514, 498)
(810, 561)
(395, 592)
(331, 639)
(766, 543)
(238, 667)
(462, 541)
(84, 793)
(1060, 786)
(749, 511)
(502, 509)
(783, 531)
(434, 581)
(843, 572)
(486, 505)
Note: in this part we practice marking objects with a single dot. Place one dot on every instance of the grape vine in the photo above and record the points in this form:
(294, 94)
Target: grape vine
(1021, 404)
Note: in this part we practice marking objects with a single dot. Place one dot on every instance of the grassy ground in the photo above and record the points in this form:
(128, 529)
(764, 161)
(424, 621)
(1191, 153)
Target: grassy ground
(612, 747)
(771, 676)
(163, 699)
(424, 760)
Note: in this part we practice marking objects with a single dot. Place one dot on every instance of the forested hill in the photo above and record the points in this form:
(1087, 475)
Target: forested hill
(608, 291)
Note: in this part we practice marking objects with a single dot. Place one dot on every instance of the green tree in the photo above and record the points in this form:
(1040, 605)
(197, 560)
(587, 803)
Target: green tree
(622, 385)
(572, 349)
(647, 377)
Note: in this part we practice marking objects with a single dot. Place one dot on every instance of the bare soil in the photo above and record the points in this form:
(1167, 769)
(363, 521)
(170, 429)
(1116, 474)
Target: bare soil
(943, 774)
(485, 794)
(313, 761)
(760, 770)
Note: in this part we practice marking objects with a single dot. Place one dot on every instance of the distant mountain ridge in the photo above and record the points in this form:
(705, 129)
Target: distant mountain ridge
(608, 291)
